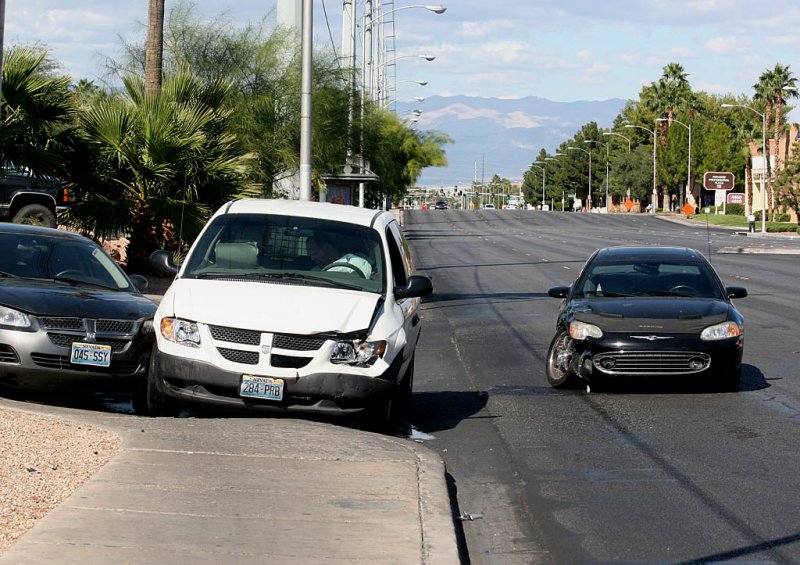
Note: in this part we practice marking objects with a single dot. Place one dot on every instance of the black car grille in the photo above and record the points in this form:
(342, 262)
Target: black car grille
(62, 362)
(7, 354)
(651, 362)
(238, 356)
(115, 326)
(297, 342)
(235, 335)
(62, 323)
(66, 340)
(288, 362)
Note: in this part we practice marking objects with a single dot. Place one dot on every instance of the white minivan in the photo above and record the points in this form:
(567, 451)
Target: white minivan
(289, 306)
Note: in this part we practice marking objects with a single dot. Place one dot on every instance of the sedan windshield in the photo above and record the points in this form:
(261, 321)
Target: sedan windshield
(669, 279)
(289, 250)
(41, 256)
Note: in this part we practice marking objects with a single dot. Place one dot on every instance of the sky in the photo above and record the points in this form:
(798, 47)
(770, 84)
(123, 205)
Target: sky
(562, 50)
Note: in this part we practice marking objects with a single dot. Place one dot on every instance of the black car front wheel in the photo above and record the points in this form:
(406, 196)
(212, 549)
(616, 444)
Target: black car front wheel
(560, 357)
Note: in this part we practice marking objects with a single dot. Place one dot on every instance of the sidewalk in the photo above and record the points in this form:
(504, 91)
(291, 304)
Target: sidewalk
(247, 490)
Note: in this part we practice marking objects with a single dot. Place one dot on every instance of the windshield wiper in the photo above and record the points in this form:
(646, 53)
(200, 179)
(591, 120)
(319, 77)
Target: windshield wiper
(307, 277)
(6, 275)
(74, 281)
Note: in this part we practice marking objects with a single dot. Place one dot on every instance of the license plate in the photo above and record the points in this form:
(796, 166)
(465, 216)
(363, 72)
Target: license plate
(265, 388)
(91, 354)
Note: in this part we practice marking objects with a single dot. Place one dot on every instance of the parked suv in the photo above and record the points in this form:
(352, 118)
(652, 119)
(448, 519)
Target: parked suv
(29, 199)
(290, 306)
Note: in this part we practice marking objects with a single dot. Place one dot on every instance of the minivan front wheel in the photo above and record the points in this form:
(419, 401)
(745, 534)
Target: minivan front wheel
(156, 403)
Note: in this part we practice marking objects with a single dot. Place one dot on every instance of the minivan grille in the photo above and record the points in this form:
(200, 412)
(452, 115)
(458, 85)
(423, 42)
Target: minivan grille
(297, 342)
(235, 335)
(238, 356)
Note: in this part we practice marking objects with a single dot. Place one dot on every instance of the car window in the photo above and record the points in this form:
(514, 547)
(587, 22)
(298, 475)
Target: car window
(399, 254)
(647, 279)
(46, 257)
(268, 245)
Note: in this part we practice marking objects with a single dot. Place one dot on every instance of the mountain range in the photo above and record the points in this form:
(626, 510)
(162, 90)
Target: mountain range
(500, 136)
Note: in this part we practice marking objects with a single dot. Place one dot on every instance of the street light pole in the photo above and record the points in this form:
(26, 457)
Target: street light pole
(589, 153)
(654, 204)
(305, 101)
(606, 144)
(764, 156)
(689, 165)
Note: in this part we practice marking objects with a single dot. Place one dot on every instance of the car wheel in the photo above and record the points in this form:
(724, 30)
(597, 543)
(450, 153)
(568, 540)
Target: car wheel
(156, 403)
(400, 405)
(559, 370)
(35, 215)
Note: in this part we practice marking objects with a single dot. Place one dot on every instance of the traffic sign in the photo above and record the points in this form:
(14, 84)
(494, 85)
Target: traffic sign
(718, 181)
(688, 209)
(735, 197)
(628, 204)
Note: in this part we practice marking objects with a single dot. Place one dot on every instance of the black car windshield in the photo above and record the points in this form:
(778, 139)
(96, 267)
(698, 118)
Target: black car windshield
(289, 250)
(43, 256)
(668, 279)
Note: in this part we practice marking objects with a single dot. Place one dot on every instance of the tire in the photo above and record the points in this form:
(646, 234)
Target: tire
(558, 370)
(156, 403)
(391, 414)
(35, 215)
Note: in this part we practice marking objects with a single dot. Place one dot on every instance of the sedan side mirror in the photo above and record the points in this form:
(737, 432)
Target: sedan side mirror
(558, 292)
(161, 260)
(139, 282)
(736, 291)
(417, 286)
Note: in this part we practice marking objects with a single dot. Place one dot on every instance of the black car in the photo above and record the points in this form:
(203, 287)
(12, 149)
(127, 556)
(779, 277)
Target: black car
(649, 312)
(69, 315)
(26, 198)
(441, 205)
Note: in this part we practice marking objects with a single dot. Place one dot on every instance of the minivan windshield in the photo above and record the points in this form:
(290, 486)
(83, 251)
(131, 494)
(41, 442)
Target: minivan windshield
(289, 249)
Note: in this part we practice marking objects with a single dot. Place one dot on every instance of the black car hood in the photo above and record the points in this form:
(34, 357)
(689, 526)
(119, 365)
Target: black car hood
(653, 315)
(50, 298)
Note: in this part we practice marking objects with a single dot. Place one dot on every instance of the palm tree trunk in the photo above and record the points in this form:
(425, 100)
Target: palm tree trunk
(153, 65)
(748, 187)
(767, 164)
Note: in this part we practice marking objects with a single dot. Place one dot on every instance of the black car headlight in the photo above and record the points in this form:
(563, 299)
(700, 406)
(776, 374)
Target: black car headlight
(357, 352)
(182, 332)
(725, 330)
(581, 330)
(14, 318)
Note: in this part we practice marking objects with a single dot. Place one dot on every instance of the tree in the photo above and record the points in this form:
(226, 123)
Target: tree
(788, 181)
(36, 112)
(154, 163)
(784, 85)
(153, 68)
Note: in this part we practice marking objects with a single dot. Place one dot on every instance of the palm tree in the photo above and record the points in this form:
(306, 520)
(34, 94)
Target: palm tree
(784, 85)
(154, 51)
(157, 162)
(765, 96)
(35, 115)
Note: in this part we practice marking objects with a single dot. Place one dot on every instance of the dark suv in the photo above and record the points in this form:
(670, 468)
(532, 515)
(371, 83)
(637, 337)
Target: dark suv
(441, 205)
(29, 199)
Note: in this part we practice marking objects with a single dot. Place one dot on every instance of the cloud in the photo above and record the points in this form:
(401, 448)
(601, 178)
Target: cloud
(481, 29)
(584, 55)
(511, 120)
(725, 45)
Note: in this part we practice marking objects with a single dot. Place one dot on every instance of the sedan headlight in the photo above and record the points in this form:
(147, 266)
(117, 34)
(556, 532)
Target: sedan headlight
(581, 330)
(357, 352)
(180, 331)
(724, 330)
(14, 318)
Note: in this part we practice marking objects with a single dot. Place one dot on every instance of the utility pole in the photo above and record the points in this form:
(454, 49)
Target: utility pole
(305, 101)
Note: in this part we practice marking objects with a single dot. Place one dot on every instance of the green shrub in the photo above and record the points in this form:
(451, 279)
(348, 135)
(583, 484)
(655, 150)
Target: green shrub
(734, 209)
(780, 217)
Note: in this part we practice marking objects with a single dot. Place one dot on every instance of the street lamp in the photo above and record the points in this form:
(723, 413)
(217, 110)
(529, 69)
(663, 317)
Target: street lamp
(655, 192)
(589, 153)
(628, 139)
(383, 88)
(689, 165)
(764, 153)
(606, 144)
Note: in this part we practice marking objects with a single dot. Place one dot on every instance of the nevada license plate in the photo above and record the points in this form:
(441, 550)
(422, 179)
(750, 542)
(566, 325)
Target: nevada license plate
(91, 354)
(265, 388)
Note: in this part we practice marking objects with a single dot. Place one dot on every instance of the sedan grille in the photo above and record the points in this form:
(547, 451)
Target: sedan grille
(66, 340)
(62, 362)
(7, 354)
(651, 362)
(62, 323)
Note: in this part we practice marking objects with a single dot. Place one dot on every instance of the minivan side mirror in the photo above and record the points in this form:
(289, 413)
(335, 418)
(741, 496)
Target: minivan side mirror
(161, 260)
(417, 286)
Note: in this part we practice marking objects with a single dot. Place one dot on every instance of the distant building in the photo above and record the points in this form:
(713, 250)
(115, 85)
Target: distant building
(779, 154)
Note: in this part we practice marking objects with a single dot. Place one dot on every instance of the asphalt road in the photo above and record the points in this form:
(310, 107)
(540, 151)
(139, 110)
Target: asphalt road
(641, 473)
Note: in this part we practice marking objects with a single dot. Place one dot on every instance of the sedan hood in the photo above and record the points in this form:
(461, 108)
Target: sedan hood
(50, 298)
(266, 306)
(653, 315)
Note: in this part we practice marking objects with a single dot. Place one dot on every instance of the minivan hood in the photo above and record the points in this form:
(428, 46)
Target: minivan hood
(270, 306)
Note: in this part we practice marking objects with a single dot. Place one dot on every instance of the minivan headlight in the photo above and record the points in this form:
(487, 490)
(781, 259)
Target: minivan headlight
(180, 331)
(724, 330)
(357, 352)
(581, 330)
(14, 318)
